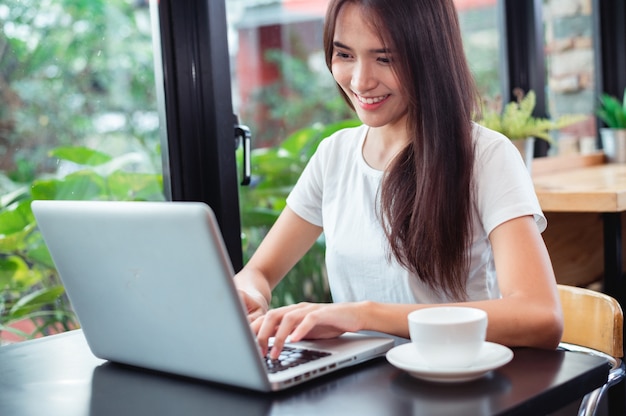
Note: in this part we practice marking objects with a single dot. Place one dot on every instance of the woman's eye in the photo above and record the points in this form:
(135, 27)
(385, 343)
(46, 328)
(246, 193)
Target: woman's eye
(342, 55)
(384, 60)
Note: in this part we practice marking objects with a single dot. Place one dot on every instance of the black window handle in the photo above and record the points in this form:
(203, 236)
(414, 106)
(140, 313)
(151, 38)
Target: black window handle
(243, 137)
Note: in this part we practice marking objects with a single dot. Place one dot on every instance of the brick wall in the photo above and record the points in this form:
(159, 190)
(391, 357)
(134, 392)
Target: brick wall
(570, 69)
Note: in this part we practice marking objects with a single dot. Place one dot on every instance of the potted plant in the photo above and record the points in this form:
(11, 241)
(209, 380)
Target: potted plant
(515, 120)
(612, 112)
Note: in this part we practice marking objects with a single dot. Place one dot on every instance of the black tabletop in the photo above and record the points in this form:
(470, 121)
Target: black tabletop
(58, 375)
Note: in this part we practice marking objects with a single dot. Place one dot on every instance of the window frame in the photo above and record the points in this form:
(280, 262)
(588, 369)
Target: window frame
(609, 25)
(199, 148)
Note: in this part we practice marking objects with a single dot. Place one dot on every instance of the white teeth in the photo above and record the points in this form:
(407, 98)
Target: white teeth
(371, 100)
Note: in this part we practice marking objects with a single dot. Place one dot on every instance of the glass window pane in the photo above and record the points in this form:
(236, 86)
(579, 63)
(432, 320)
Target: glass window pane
(283, 91)
(570, 58)
(280, 80)
(78, 120)
(481, 38)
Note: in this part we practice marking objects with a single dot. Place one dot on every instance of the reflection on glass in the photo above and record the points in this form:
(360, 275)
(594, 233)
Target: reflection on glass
(479, 28)
(570, 71)
(78, 120)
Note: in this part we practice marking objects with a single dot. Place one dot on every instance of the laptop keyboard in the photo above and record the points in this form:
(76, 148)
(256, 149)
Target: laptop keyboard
(291, 357)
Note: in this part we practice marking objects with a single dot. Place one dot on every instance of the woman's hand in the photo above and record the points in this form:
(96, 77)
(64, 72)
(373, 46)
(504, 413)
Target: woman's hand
(305, 321)
(256, 304)
(287, 241)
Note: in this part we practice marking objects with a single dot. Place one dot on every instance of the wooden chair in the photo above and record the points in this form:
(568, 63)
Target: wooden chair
(594, 324)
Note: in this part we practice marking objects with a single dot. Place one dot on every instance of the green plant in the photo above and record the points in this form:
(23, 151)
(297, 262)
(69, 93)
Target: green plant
(300, 96)
(65, 71)
(31, 289)
(516, 121)
(275, 171)
(611, 111)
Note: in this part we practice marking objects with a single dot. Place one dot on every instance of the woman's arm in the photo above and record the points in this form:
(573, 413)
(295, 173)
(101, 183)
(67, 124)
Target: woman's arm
(284, 245)
(528, 287)
(528, 314)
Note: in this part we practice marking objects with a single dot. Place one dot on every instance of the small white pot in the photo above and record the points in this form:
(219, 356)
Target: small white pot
(614, 144)
(526, 148)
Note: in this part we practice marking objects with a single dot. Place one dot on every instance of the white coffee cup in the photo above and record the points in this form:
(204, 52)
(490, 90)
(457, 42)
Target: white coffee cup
(448, 336)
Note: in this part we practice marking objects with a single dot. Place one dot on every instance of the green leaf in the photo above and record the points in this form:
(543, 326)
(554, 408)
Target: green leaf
(15, 273)
(81, 185)
(274, 161)
(8, 268)
(14, 196)
(340, 125)
(16, 217)
(517, 122)
(81, 155)
(35, 301)
(612, 111)
(38, 252)
(261, 217)
(297, 141)
(44, 188)
(126, 186)
(305, 141)
(16, 223)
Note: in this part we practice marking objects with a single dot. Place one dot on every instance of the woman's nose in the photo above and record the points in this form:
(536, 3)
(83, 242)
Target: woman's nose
(363, 78)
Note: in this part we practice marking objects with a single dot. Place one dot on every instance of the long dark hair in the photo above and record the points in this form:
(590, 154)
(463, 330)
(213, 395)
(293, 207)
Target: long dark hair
(426, 192)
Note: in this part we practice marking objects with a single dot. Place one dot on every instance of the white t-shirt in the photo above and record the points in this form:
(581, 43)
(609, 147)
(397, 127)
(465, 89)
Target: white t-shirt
(338, 191)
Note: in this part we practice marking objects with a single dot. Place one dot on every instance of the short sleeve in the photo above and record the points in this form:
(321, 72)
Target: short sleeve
(305, 199)
(503, 185)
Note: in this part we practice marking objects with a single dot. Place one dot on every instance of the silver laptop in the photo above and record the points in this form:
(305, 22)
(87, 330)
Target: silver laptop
(151, 285)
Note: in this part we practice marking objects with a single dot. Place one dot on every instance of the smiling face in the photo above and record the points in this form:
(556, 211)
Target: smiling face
(362, 66)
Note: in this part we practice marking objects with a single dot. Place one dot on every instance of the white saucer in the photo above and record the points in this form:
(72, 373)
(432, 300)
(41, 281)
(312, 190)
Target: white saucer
(491, 357)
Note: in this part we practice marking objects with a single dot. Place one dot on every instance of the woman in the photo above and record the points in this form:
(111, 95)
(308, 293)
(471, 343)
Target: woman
(419, 206)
